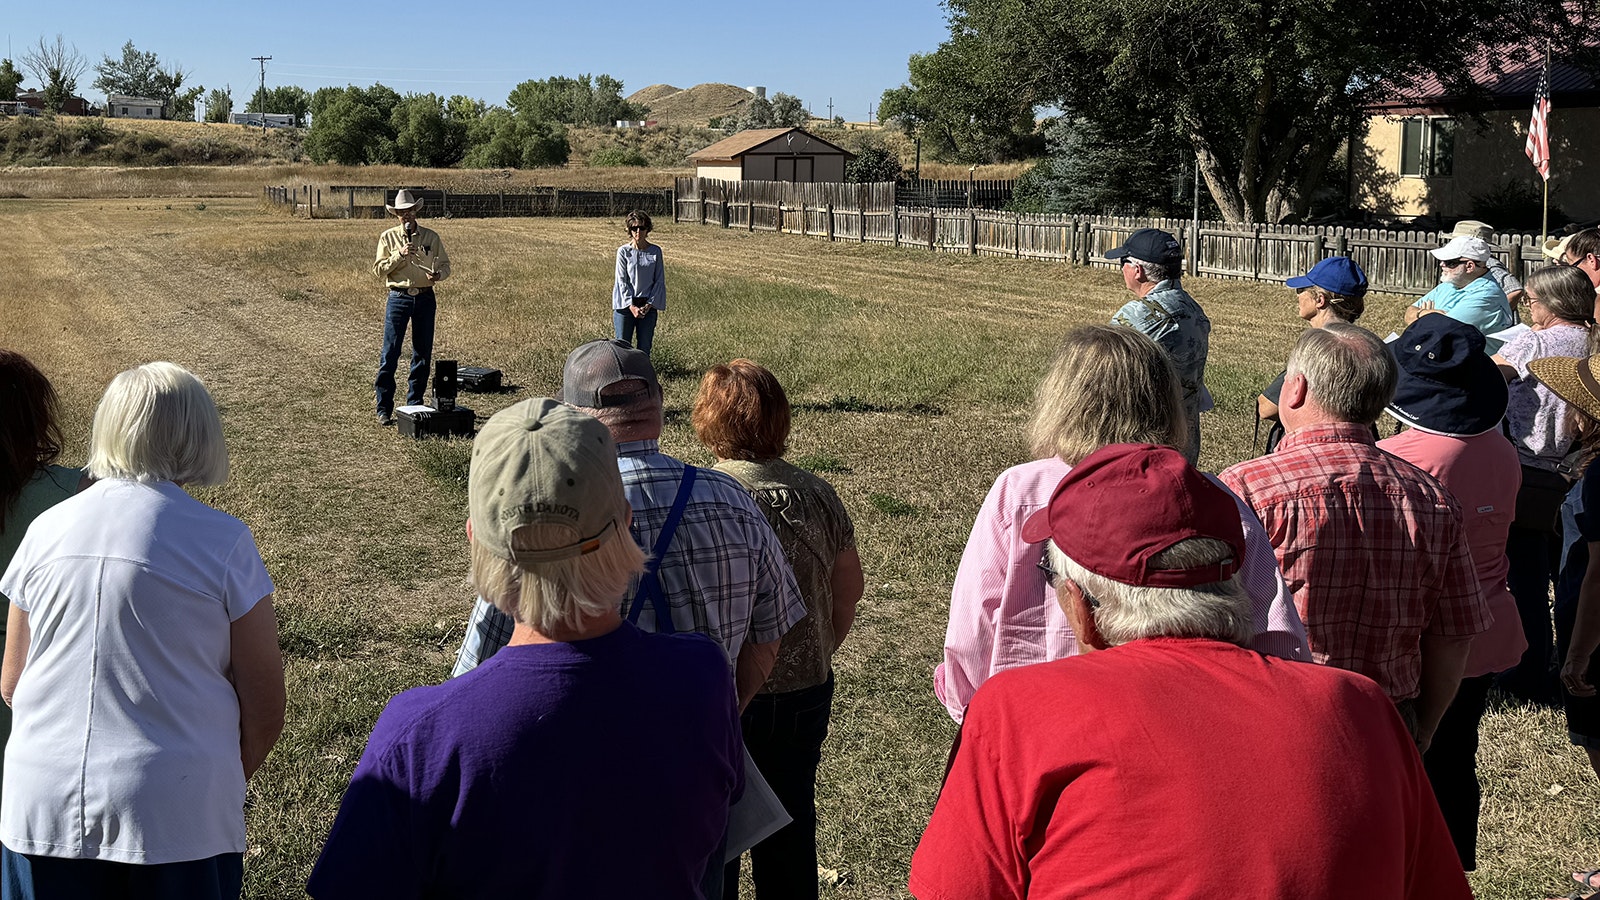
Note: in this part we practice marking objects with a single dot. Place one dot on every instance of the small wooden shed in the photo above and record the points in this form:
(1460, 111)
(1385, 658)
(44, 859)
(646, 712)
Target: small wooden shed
(121, 106)
(772, 154)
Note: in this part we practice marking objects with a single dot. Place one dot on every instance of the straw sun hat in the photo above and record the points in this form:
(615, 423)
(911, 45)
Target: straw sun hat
(1571, 379)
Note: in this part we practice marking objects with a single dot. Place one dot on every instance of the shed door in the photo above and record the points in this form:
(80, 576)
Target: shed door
(800, 169)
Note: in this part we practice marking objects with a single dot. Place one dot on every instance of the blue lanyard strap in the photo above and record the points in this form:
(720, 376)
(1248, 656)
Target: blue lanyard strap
(650, 581)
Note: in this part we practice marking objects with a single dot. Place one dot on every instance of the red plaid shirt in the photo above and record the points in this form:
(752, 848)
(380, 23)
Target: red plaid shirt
(1372, 547)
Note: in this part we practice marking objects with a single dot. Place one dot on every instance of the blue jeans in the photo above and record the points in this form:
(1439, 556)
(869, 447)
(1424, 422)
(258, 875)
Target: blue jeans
(784, 734)
(419, 311)
(24, 877)
(626, 326)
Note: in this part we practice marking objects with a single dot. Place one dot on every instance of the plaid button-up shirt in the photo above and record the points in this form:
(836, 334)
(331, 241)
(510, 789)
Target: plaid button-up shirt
(1371, 546)
(724, 574)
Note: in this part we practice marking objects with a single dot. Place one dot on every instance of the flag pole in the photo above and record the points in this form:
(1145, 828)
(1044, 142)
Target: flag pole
(1544, 221)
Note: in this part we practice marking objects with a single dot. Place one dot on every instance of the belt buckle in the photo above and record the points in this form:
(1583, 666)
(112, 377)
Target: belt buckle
(413, 291)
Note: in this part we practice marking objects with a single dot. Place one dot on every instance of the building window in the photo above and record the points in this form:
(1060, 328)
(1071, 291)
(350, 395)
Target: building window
(1428, 147)
(124, 110)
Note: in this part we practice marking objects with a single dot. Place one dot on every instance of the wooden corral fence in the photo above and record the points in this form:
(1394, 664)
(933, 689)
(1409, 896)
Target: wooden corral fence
(957, 194)
(1395, 261)
(343, 201)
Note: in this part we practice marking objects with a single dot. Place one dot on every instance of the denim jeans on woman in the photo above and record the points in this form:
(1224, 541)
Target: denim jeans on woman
(627, 325)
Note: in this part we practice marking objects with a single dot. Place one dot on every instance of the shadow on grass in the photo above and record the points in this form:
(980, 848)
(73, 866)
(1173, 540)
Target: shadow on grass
(892, 506)
(854, 404)
(822, 463)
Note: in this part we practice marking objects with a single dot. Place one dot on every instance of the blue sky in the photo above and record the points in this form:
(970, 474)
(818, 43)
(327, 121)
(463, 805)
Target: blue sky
(850, 51)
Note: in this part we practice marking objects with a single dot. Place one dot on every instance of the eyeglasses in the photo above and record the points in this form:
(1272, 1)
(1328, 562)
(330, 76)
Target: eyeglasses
(633, 228)
(1452, 263)
(1054, 579)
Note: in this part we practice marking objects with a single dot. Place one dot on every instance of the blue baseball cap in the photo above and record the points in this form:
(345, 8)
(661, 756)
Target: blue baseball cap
(1337, 275)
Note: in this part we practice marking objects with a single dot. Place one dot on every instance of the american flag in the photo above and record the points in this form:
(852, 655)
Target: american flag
(1538, 148)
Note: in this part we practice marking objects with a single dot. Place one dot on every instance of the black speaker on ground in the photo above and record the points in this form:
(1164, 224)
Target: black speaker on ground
(478, 378)
(423, 422)
(445, 385)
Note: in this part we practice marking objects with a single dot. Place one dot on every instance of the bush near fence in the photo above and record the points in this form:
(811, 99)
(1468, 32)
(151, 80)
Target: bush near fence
(367, 201)
(1395, 261)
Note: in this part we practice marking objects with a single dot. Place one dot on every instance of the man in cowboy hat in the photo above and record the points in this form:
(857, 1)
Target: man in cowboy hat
(1452, 397)
(410, 260)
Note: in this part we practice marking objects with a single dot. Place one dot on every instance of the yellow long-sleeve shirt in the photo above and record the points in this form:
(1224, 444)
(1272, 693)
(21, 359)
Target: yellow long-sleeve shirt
(404, 272)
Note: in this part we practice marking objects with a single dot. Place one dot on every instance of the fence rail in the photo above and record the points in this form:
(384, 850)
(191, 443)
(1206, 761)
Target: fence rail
(1395, 261)
(368, 201)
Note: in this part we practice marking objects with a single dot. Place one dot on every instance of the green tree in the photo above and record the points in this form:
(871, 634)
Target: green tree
(56, 66)
(10, 80)
(1146, 170)
(286, 99)
(963, 105)
(352, 125)
(757, 113)
(219, 104)
(787, 111)
(1264, 91)
(504, 139)
(585, 100)
(425, 134)
(134, 74)
(873, 162)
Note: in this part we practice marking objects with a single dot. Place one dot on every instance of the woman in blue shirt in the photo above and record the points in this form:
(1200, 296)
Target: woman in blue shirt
(640, 291)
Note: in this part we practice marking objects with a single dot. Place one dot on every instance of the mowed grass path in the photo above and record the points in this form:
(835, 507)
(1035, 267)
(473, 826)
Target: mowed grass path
(911, 374)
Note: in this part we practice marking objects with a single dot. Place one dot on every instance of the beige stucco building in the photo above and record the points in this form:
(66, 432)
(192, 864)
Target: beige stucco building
(772, 154)
(1423, 154)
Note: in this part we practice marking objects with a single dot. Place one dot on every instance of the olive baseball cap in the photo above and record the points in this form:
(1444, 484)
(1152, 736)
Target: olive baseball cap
(542, 462)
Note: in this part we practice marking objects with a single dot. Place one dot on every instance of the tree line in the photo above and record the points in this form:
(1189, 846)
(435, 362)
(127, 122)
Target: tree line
(1262, 94)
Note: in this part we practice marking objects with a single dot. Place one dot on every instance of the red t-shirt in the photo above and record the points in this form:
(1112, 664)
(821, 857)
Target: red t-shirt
(1185, 769)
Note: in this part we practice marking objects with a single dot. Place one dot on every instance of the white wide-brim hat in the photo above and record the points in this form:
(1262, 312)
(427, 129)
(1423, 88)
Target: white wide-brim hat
(404, 200)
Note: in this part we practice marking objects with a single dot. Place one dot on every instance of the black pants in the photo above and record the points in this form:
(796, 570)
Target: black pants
(784, 734)
(1452, 766)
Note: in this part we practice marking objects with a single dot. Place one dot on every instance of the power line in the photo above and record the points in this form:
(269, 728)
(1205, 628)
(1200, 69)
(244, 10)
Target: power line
(263, 61)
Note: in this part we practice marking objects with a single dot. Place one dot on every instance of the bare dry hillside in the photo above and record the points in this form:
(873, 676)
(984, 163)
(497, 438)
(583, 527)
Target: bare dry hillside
(694, 106)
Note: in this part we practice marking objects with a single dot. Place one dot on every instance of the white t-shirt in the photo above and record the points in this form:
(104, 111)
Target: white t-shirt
(125, 742)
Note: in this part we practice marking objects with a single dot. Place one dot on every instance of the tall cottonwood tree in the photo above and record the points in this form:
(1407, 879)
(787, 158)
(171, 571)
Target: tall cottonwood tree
(1265, 91)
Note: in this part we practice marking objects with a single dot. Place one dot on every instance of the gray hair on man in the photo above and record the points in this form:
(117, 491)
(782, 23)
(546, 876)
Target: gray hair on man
(1348, 371)
(1159, 271)
(1124, 612)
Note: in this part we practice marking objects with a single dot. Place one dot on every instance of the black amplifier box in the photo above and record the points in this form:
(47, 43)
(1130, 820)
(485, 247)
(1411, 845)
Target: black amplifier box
(478, 379)
(425, 421)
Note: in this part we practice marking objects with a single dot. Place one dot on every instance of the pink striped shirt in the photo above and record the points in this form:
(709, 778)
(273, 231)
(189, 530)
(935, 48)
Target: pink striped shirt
(1003, 615)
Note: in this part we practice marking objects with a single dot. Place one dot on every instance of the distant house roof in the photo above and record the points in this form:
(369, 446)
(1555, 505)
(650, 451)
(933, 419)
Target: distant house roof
(125, 99)
(1510, 87)
(731, 148)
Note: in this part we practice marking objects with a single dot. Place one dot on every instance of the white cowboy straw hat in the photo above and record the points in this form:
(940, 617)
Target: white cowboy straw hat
(1556, 248)
(404, 200)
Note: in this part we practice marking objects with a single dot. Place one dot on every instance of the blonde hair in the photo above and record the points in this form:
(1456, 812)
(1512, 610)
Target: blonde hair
(1106, 385)
(1220, 611)
(157, 422)
(557, 595)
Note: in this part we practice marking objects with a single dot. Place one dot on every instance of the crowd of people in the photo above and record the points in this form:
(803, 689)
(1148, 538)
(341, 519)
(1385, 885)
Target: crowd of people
(1266, 682)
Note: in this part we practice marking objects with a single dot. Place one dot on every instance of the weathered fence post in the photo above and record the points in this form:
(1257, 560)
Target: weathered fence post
(702, 206)
(1319, 244)
(779, 228)
(972, 232)
(896, 224)
(1255, 256)
(444, 203)
(750, 214)
(802, 218)
(1341, 245)
(861, 224)
(830, 223)
(1516, 262)
(727, 213)
(1016, 235)
(1088, 242)
(933, 226)
(350, 204)
(1195, 249)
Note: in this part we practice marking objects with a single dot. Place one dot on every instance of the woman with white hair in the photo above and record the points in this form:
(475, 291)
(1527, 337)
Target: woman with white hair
(1106, 385)
(141, 664)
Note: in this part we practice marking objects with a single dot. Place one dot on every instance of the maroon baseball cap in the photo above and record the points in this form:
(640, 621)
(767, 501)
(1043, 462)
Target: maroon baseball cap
(1126, 503)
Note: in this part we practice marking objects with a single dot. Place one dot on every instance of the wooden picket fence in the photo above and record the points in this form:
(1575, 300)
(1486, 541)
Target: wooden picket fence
(1395, 261)
(340, 201)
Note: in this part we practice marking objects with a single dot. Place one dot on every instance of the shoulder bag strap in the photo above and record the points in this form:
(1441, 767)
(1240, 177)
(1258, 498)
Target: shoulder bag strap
(650, 581)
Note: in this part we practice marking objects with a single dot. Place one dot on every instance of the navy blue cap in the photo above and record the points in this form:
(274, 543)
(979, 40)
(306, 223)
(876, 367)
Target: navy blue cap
(1448, 384)
(1150, 245)
(1337, 275)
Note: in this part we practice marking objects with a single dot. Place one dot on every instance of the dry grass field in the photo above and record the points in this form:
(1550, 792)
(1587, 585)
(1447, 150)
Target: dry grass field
(910, 373)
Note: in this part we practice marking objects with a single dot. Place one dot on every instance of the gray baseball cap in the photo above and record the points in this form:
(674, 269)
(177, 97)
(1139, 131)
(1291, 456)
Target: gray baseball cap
(541, 462)
(597, 365)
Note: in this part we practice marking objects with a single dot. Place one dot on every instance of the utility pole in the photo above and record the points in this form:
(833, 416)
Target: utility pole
(263, 61)
(830, 109)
